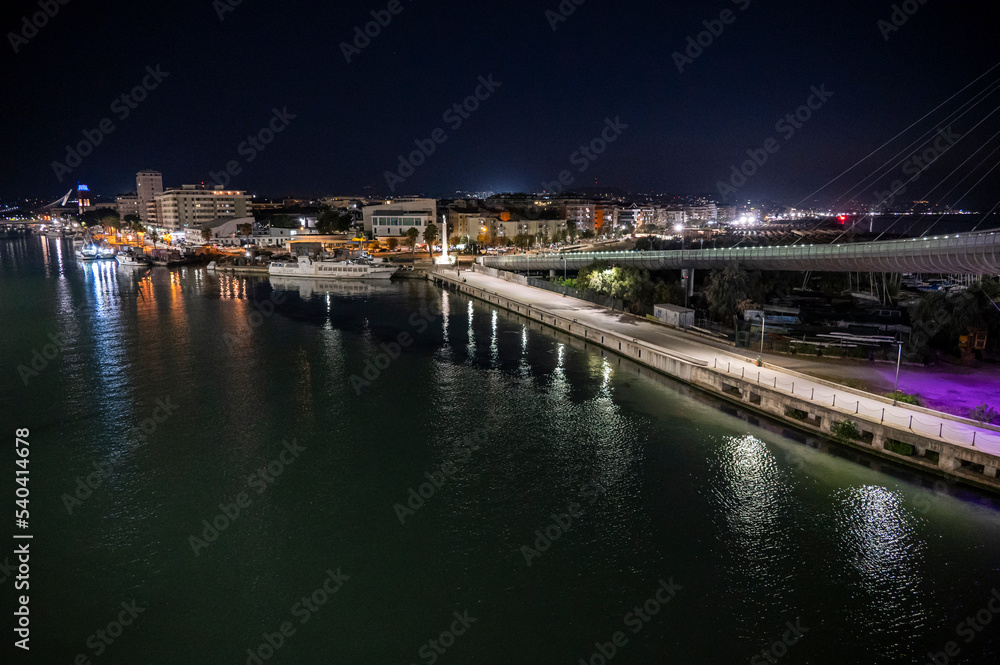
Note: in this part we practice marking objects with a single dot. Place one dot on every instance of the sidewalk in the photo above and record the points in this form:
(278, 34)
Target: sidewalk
(734, 361)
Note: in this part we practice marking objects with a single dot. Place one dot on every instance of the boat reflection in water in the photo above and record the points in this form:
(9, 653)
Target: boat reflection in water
(356, 288)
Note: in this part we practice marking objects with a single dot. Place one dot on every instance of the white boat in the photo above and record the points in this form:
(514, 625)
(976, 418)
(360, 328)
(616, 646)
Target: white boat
(307, 267)
(130, 261)
(87, 253)
(211, 265)
(106, 252)
(307, 288)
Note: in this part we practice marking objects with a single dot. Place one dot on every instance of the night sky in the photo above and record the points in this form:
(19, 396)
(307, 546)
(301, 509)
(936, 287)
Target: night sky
(607, 60)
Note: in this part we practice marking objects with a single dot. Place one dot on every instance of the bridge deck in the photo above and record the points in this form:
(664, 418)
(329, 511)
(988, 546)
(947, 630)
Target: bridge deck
(974, 254)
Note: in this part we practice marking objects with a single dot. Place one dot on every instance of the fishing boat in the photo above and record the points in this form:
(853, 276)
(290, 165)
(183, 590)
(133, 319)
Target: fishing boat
(308, 267)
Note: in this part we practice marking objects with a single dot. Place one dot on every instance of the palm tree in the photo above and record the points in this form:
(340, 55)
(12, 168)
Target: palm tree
(430, 235)
(246, 230)
(411, 240)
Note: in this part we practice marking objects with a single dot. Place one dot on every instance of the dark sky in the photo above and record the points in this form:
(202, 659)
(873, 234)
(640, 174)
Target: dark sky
(607, 60)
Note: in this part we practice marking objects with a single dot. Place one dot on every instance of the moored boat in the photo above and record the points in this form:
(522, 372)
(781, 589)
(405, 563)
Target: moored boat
(307, 267)
(87, 253)
(131, 261)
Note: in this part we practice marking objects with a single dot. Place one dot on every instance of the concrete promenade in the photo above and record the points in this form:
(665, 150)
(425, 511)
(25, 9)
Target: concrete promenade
(735, 373)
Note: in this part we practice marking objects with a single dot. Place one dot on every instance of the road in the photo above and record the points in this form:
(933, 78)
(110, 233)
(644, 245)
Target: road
(848, 401)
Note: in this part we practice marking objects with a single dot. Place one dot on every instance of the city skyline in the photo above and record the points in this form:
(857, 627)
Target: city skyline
(329, 108)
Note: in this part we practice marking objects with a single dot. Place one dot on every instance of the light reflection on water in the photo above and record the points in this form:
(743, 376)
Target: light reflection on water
(758, 529)
(880, 538)
(688, 488)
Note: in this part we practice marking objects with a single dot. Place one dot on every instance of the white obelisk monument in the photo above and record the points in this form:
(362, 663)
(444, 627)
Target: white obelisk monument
(444, 259)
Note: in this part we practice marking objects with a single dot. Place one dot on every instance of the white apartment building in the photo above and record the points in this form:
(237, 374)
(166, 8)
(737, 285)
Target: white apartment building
(148, 184)
(471, 224)
(395, 218)
(702, 213)
(127, 205)
(669, 218)
(582, 213)
(634, 216)
(194, 206)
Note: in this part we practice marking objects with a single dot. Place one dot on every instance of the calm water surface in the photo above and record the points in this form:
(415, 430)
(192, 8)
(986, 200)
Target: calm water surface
(751, 527)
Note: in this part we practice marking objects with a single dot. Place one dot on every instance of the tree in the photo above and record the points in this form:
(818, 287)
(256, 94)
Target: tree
(588, 234)
(454, 240)
(375, 246)
(151, 232)
(984, 414)
(940, 319)
(246, 230)
(206, 233)
(393, 243)
(635, 286)
(523, 240)
(430, 235)
(730, 291)
(111, 222)
(571, 230)
(411, 239)
(333, 221)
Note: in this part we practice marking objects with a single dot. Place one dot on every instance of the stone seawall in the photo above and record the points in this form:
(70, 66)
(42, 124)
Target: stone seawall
(894, 441)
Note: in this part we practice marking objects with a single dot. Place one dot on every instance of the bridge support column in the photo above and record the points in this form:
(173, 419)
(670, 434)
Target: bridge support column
(687, 283)
(552, 272)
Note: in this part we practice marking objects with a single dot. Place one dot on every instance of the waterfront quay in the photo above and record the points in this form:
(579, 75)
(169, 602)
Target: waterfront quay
(956, 448)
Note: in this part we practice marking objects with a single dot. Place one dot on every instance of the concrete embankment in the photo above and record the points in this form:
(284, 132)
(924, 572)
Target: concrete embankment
(937, 443)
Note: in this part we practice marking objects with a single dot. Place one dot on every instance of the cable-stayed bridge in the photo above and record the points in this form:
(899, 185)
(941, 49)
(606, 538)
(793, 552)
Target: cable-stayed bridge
(966, 253)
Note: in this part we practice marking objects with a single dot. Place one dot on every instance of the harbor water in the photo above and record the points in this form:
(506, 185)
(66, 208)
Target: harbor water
(226, 469)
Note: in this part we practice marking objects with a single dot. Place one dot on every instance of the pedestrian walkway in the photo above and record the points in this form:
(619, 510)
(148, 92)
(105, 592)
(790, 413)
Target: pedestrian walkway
(850, 402)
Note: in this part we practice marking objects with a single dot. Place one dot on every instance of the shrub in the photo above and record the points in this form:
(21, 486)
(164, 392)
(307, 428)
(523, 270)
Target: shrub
(846, 431)
(899, 447)
(798, 414)
(904, 398)
(984, 414)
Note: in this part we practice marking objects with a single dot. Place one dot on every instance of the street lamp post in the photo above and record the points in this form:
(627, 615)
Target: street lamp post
(899, 358)
(763, 324)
